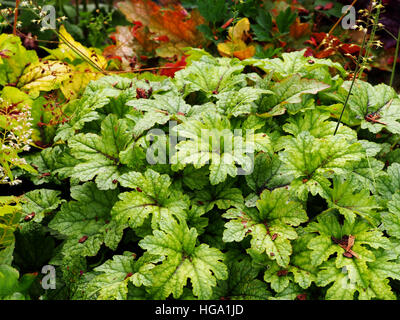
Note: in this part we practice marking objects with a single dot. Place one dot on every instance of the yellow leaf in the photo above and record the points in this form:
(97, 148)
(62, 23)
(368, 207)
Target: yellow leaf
(43, 76)
(74, 50)
(239, 29)
(235, 46)
(81, 75)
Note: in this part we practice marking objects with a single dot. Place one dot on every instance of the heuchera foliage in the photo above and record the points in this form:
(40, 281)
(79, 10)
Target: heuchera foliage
(318, 216)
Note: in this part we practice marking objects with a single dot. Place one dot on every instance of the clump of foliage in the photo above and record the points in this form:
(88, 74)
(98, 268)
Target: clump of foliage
(226, 181)
(34, 94)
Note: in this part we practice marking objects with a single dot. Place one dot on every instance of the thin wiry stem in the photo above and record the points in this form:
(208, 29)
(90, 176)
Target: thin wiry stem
(361, 66)
(337, 22)
(396, 55)
(373, 32)
(16, 17)
(356, 71)
(79, 53)
(389, 33)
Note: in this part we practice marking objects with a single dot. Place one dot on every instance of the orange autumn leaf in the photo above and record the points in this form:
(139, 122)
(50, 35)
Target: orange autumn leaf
(246, 53)
(299, 29)
(172, 22)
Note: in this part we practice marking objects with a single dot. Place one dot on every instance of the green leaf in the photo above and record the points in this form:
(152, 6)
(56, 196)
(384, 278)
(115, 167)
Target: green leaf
(8, 280)
(342, 289)
(310, 159)
(242, 283)
(368, 172)
(290, 293)
(52, 165)
(384, 266)
(184, 260)
(237, 103)
(328, 226)
(159, 110)
(112, 277)
(285, 19)
(391, 219)
(262, 29)
(280, 278)
(87, 222)
(153, 195)
(288, 94)
(355, 273)
(84, 110)
(266, 173)
(39, 202)
(10, 214)
(194, 218)
(213, 10)
(351, 202)
(195, 179)
(6, 254)
(373, 148)
(315, 123)
(100, 155)
(221, 196)
(387, 185)
(211, 76)
(374, 107)
(271, 226)
(14, 58)
(213, 141)
(295, 63)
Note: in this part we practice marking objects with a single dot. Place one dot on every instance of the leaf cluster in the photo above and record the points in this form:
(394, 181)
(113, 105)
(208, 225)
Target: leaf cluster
(223, 183)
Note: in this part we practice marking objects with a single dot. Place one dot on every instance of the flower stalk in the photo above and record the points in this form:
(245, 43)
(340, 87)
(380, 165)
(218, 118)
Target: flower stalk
(396, 55)
(366, 46)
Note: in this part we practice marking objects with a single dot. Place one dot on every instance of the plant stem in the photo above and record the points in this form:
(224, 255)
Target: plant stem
(372, 36)
(361, 66)
(356, 71)
(16, 17)
(337, 23)
(396, 55)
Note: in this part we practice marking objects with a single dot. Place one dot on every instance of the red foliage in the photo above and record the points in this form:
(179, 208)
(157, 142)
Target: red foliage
(171, 68)
(329, 45)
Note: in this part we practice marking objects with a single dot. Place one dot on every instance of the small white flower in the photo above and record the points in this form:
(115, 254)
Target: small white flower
(15, 182)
